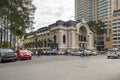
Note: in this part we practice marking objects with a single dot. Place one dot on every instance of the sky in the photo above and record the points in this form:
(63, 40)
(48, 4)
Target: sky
(49, 11)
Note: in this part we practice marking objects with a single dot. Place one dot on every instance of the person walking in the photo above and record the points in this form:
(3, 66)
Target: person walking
(39, 53)
(36, 52)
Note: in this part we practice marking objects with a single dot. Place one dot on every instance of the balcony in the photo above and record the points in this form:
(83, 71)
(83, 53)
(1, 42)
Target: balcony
(115, 36)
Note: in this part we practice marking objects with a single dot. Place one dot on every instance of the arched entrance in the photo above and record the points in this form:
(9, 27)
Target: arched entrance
(82, 37)
(85, 36)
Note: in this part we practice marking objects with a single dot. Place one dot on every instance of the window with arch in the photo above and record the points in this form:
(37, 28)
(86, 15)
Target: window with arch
(54, 38)
(64, 39)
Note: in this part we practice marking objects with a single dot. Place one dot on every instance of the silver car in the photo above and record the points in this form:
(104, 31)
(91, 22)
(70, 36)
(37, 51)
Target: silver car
(113, 53)
(94, 52)
(77, 53)
(7, 55)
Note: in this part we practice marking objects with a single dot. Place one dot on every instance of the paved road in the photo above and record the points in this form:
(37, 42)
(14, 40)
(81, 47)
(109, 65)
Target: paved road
(62, 68)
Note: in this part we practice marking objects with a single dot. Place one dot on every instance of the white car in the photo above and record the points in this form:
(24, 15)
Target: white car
(113, 53)
(94, 52)
(88, 52)
(61, 53)
(77, 53)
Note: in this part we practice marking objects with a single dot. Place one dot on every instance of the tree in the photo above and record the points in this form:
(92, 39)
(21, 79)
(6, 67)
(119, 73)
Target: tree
(45, 43)
(16, 15)
(49, 42)
(40, 43)
(97, 28)
(101, 27)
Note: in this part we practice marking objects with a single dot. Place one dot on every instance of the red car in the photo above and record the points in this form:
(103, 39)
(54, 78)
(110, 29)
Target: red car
(24, 54)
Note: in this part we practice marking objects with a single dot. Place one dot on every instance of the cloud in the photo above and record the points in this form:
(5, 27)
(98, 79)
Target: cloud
(49, 11)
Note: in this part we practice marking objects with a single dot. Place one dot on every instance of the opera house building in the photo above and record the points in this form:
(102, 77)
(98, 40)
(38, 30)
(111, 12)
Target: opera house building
(69, 35)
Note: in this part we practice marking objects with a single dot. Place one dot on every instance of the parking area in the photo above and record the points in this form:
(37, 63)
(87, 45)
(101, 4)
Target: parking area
(62, 68)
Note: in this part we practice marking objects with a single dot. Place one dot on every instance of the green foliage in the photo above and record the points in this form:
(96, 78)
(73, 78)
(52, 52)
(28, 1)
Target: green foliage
(15, 18)
(97, 27)
(49, 42)
(5, 44)
(40, 43)
(17, 14)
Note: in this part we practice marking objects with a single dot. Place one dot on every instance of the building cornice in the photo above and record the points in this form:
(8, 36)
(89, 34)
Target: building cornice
(63, 28)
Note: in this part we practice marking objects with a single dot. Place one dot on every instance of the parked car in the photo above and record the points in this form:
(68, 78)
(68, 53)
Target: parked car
(77, 53)
(113, 53)
(103, 52)
(24, 54)
(61, 53)
(84, 52)
(87, 52)
(7, 55)
(52, 52)
(94, 52)
(31, 52)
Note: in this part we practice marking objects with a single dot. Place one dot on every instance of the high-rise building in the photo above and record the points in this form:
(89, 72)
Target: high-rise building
(94, 9)
(106, 10)
(116, 4)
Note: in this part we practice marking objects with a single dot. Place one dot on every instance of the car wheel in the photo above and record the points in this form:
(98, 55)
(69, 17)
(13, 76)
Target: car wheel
(81, 55)
(108, 57)
(29, 58)
(118, 56)
(15, 60)
(0, 60)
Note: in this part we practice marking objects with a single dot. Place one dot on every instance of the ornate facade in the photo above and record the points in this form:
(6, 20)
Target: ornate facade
(61, 35)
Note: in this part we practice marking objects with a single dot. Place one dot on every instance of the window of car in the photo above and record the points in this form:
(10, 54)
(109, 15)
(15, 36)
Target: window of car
(80, 50)
(75, 51)
(30, 51)
(23, 51)
(6, 50)
(112, 50)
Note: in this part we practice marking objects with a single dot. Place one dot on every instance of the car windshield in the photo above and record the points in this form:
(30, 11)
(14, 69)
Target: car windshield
(75, 51)
(111, 50)
(80, 50)
(6, 50)
(30, 51)
(23, 51)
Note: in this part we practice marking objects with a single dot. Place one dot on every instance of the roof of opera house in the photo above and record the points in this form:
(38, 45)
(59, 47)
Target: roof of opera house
(69, 23)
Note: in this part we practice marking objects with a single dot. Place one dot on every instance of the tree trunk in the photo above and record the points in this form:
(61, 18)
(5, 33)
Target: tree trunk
(1, 36)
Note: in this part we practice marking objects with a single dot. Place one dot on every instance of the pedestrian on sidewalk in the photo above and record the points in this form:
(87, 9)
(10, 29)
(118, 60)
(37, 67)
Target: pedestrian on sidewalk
(39, 53)
(36, 52)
